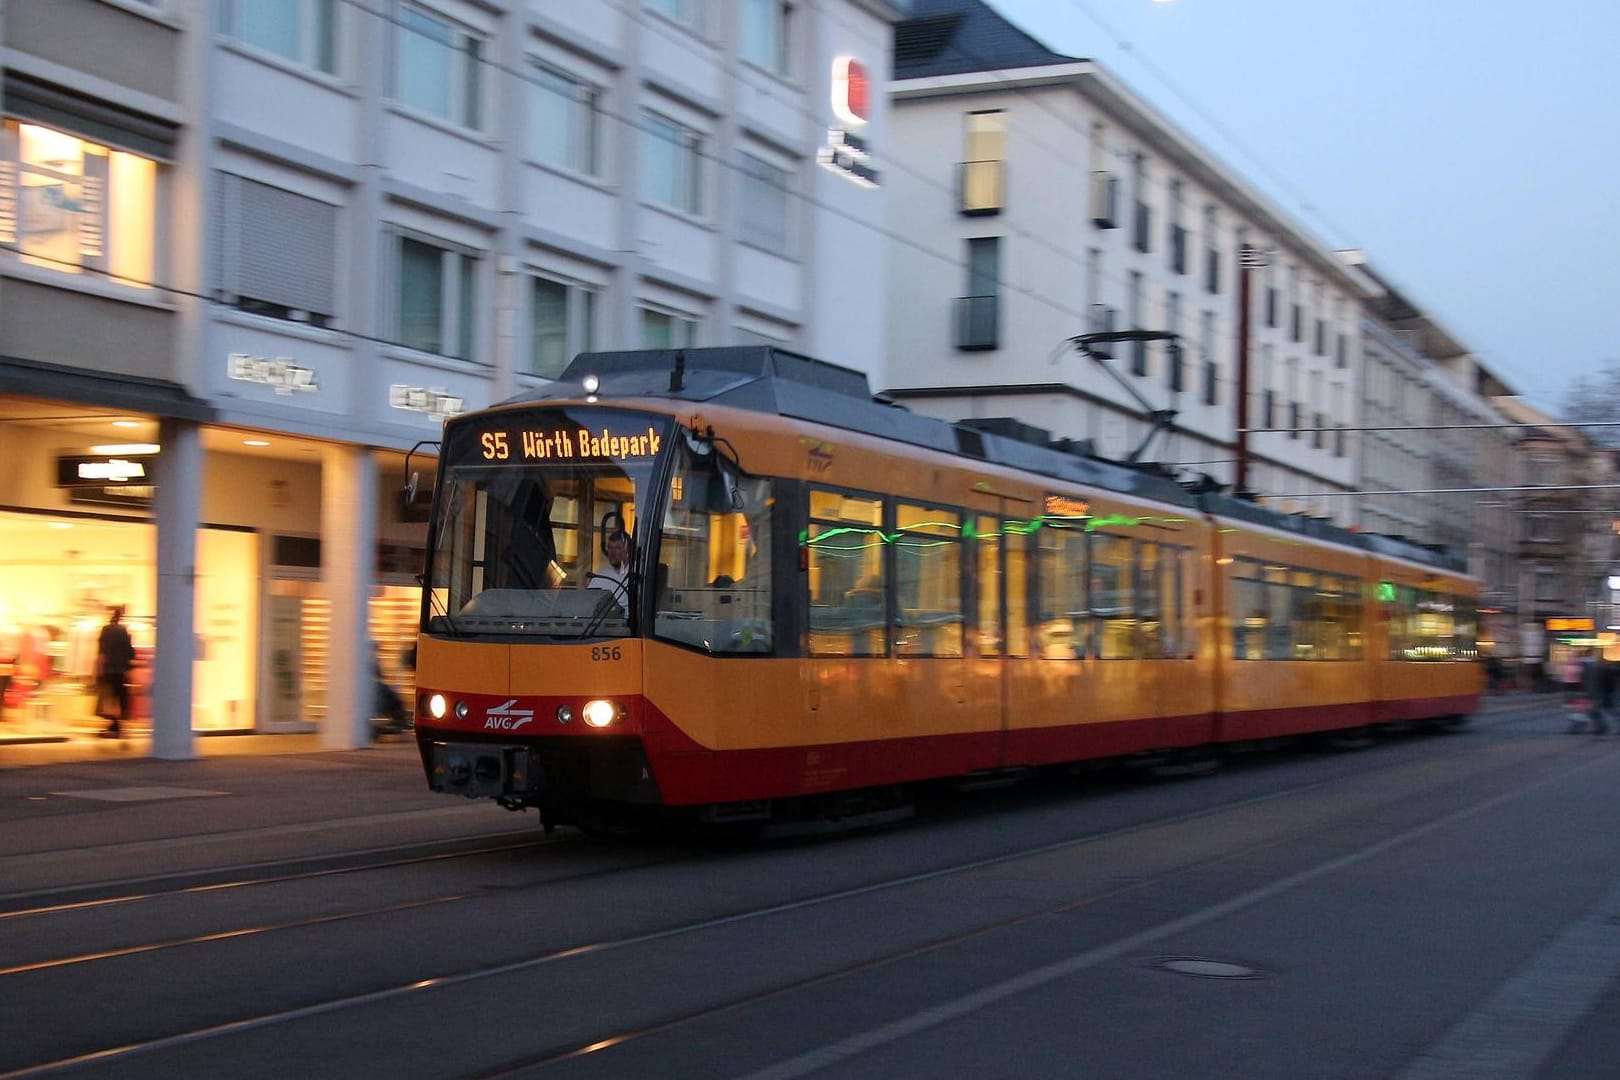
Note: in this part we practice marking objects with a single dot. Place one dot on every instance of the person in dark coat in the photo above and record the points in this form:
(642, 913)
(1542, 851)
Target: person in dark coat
(115, 655)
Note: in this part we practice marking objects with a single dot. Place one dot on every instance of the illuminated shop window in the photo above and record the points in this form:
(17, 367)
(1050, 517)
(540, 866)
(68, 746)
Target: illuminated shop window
(73, 206)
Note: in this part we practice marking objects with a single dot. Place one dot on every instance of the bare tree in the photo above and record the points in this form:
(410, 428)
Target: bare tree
(1595, 398)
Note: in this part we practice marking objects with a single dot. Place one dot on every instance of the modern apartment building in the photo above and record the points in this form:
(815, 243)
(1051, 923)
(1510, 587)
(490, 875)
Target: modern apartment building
(252, 254)
(1439, 461)
(1038, 199)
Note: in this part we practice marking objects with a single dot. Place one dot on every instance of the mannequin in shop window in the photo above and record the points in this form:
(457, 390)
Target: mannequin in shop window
(115, 654)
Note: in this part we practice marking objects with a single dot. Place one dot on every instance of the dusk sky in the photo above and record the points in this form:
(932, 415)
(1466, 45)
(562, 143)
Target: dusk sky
(1471, 148)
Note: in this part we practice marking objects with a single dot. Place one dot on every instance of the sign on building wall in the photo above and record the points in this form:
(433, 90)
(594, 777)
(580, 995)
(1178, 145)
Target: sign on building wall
(847, 151)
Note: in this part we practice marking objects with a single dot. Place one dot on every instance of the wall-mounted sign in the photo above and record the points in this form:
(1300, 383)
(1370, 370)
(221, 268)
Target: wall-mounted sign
(848, 155)
(851, 91)
(437, 402)
(76, 471)
(279, 374)
(845, 152)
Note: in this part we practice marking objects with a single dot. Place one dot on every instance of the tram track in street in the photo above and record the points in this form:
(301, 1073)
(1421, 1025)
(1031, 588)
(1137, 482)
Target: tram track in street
(569, 1052)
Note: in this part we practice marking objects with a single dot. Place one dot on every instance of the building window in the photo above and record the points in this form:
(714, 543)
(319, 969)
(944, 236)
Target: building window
(74, 206)
(1271, 306)
(562, 321)
(765, 34)
(1296, 328)
(984, 163)
(440, 68)
(1212, 250)
(664, 329)
(1176, 360)
(671, 171)
(436, 298)
(684, 12)
(277, 254)
(565, 115)
(1321, 337)
(764, 205)
(1136, 350)
(1206, 346)
(978, 313)
(303, 31)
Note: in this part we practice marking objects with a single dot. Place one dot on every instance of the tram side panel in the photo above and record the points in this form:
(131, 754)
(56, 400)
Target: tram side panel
(1293, 648)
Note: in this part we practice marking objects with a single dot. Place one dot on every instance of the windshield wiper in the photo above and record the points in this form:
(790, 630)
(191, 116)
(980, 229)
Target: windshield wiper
(604, 610)
(433, 602)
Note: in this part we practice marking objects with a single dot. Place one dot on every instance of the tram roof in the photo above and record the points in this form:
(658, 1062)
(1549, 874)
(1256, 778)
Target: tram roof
(766, 379)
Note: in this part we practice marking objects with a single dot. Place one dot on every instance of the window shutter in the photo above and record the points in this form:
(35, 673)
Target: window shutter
(285, 247)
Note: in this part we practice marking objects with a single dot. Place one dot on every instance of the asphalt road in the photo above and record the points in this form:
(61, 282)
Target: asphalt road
(1431, 906)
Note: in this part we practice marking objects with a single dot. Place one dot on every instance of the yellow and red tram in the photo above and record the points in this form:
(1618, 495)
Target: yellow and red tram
(828, 599)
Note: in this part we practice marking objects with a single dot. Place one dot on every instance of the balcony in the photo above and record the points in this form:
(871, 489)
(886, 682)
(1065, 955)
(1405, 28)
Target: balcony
(978, 323)
(982, 187)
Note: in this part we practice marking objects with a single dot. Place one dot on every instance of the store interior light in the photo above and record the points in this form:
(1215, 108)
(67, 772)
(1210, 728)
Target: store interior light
(126, 448)
(255, 442)
(126, 423)
(61, 525)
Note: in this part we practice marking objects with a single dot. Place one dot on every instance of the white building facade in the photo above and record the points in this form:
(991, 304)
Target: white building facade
(1041, 200)
(282, 242)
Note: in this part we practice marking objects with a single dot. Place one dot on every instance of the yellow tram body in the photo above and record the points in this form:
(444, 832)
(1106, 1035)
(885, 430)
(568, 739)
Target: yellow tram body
(836, 596)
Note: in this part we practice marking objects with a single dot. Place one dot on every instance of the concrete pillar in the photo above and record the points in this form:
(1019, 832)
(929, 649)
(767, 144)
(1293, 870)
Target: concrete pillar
(348, 566)
(178, 503)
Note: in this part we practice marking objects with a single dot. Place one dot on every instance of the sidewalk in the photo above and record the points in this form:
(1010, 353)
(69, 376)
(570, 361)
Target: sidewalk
(117, 815)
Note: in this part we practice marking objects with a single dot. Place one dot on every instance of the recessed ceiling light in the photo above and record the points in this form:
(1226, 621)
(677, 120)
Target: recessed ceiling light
(255, 442)
(126, 448)
(61, 524)
(126, 423)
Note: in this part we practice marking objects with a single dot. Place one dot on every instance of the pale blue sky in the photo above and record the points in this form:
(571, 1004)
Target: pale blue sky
(1470, 147)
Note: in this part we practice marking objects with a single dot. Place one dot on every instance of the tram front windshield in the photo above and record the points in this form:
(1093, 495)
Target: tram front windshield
(537, 527)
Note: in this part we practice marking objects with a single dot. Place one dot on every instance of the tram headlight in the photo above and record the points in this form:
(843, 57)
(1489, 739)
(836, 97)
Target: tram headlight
(461, 710)
(438, 706)
(600, 713)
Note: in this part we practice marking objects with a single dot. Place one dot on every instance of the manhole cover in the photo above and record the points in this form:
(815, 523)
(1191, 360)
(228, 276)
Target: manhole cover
(1206, 969)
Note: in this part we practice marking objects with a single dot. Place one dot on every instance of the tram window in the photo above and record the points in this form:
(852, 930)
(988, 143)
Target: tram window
(987, 556)
(1249, 612)
(1173, 565)
(1017, 588)
(847, 575)
(1279, 621)
(1431, 633)
(714, 569)
(927, 581)
(1148, 599)
(1304, 615)
(1065, 624)
(1112, 603)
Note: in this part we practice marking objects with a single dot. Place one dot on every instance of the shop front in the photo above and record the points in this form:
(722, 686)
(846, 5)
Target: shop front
(79, 537)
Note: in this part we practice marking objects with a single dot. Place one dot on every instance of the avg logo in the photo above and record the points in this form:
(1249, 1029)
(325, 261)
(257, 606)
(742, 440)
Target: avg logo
(851, 91)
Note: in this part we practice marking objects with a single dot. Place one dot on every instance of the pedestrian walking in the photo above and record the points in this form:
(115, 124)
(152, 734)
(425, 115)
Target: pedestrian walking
(115, 654)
